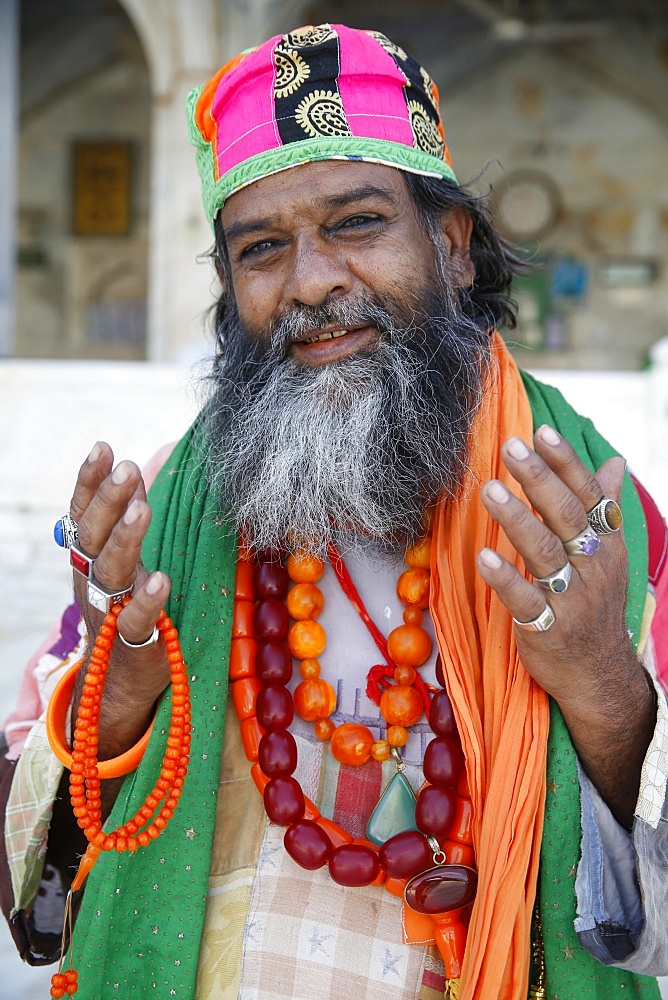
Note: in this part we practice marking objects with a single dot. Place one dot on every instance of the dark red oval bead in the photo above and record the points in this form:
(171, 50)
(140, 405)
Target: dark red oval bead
(307, 844)
(277, 753)
(443, 761)
(274, 707)
(438, 670)
(271, 620)
(435, 809)
(273, 663)
(354, 864)
(284, 801)
(271, 580)
(405, 854)
(442, 888)
(441, 717)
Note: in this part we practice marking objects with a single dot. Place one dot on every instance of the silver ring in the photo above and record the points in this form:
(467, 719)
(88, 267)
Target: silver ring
(152, 639)
(102, 598)
(545, 620)
(587, 543)
(557, 582)
(605, 517)
(66, 531)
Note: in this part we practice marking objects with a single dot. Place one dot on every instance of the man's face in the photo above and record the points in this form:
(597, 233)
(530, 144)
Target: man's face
(328, 232)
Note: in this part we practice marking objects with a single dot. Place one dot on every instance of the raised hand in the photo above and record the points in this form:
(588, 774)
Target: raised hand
(109, 505)
(584, 659)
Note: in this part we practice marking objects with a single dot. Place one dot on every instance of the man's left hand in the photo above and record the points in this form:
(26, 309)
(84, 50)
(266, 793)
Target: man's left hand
(585, 659)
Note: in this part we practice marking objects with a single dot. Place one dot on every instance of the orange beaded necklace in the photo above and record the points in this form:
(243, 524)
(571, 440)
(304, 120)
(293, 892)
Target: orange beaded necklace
(431, 866)
(145, 825)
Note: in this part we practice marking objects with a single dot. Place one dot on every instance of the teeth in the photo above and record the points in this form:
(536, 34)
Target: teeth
(326, 336)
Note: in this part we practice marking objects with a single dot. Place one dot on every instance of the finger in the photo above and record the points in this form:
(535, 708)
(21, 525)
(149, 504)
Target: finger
(116, 564)
(92, 473)
(108, 506)
(541, 549)
(524, 601)
(562, 509)
(590, 488)
(611, 477)
(137, 620)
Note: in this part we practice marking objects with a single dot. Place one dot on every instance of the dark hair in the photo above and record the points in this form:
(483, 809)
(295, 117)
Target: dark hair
(496, 261)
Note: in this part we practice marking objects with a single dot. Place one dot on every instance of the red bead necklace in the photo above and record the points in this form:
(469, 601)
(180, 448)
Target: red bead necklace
(431, 868)
(145, 825)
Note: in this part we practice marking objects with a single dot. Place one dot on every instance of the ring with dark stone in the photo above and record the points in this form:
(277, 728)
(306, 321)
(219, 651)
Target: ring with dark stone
(557, 582)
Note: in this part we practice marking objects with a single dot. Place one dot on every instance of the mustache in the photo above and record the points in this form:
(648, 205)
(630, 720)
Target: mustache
(302, 320)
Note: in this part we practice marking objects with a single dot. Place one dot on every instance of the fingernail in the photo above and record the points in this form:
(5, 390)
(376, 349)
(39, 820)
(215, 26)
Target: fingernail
(490, 559)
(121, 473)
(517, 449)
(496, 491)
(154, 583)
(548, 435)
(95, 452)
(132, 513)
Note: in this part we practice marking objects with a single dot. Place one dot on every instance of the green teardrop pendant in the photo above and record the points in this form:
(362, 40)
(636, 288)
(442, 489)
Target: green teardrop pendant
(394, 813)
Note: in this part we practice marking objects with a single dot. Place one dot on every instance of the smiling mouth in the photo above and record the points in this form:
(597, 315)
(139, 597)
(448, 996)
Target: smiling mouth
(329, 335)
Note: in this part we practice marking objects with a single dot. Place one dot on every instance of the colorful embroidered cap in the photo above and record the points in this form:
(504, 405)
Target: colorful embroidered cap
(318, 93)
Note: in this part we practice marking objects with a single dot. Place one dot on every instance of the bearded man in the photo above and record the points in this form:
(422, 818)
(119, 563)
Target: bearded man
(369, 443)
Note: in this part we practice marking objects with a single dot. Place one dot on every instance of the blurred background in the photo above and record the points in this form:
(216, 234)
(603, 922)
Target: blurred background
(556, 108)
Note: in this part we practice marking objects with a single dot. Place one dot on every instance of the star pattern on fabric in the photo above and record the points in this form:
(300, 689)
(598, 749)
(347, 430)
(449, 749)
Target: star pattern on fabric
(568, 952)
(572, 871)
(317, 942)
(154, 929)
(390, 963)
(552, 787)
(190, 833)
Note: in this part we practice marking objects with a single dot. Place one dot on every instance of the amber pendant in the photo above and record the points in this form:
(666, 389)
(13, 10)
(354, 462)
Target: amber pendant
(395, 812)
(441, 888)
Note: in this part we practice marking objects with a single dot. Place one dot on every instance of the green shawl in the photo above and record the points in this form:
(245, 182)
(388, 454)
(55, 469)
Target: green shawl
(141, 918)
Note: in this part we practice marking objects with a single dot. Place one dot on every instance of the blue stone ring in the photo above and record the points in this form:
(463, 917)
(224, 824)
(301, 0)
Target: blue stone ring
(66, 531)
(587, 543)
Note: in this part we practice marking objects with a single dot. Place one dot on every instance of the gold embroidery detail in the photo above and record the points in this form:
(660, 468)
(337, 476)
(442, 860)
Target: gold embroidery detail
(429, 88)
(427, 136)
(291, 71)
(321, 114)
(310, 35)
(389, 46)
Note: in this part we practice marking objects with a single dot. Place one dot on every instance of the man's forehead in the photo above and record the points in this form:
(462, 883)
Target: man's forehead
(325, 184)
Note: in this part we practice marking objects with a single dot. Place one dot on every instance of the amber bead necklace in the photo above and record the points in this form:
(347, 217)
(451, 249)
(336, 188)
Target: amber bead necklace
(86, 800)
(431, 867)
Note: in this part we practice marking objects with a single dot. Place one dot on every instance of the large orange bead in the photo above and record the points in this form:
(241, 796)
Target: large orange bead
(314, 699)
(419, 555)
(304, 568)
(413, 587)
(351, 744)
(401, 705)
(305, 600)
(409, 645)
(306, 639)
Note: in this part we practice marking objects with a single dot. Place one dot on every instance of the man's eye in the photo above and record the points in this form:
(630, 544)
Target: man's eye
(258, 248)
(357, 221)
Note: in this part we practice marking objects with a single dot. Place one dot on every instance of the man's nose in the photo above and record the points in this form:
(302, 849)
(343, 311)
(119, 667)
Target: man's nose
(318, 270)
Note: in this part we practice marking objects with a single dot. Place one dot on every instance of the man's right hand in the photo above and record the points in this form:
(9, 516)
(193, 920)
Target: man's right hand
(113, 516)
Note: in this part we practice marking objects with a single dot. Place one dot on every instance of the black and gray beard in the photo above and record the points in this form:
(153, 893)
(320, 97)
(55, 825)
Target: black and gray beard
(354, 450)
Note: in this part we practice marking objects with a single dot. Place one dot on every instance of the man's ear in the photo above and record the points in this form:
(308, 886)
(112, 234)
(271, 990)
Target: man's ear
(457, 226)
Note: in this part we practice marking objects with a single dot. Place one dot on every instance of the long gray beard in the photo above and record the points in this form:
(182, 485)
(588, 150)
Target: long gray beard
(350, 451)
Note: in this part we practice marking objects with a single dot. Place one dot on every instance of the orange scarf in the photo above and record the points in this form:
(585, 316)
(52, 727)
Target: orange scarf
(503, 716)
